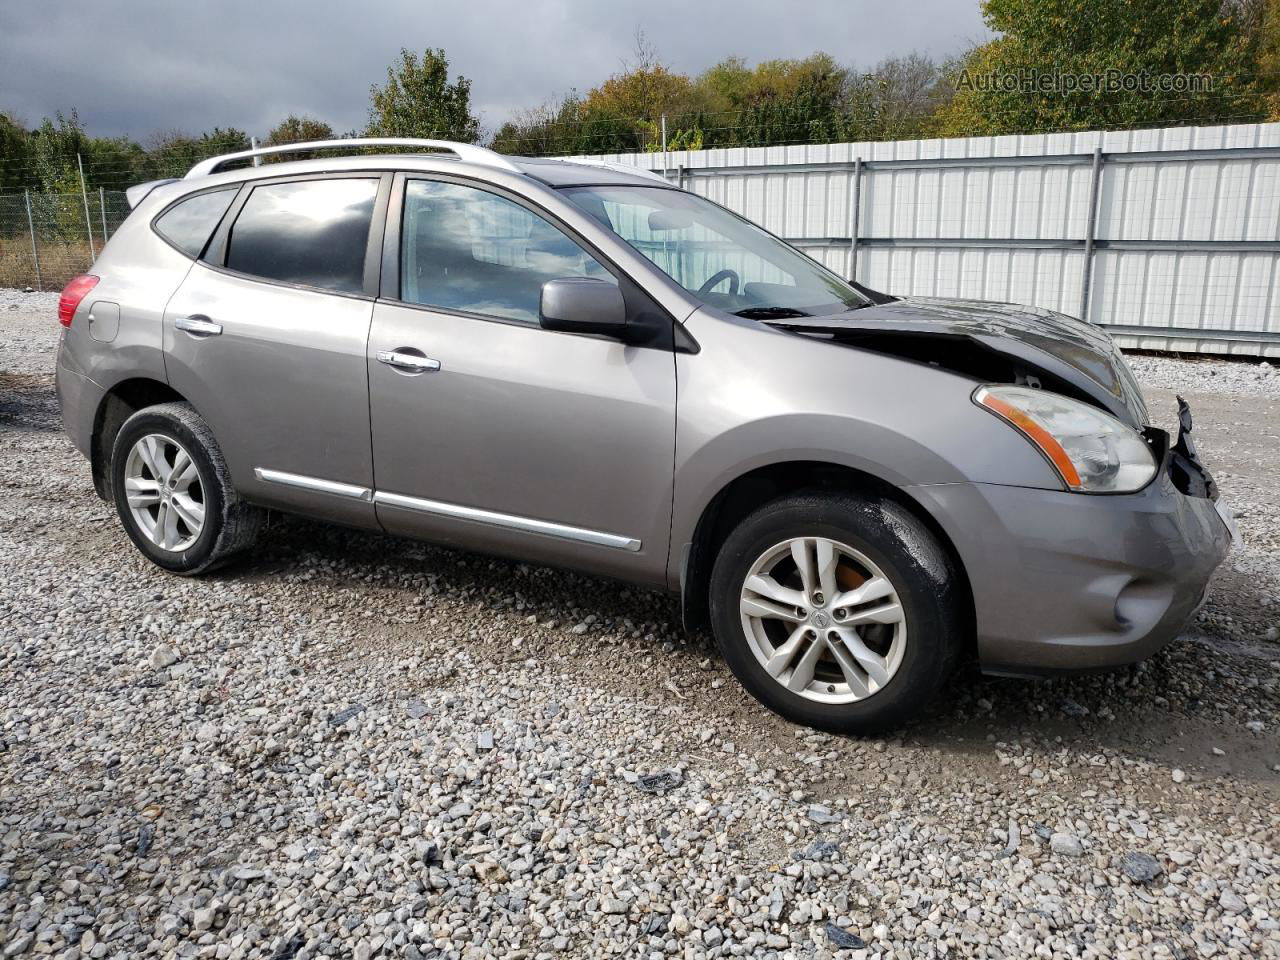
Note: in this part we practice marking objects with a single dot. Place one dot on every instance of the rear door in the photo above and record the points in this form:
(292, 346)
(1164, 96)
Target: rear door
(493, 433)
(266, 337)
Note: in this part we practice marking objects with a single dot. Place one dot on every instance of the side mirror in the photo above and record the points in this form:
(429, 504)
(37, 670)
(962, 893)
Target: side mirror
(583, 305)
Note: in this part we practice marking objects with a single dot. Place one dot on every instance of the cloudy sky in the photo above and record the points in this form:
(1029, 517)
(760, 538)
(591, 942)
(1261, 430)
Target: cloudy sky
(139, 66)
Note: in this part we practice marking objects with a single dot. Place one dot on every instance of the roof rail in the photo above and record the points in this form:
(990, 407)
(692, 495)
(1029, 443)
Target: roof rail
(468, 152)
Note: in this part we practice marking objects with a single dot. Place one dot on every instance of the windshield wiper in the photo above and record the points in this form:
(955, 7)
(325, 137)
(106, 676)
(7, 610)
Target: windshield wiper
(770, 313)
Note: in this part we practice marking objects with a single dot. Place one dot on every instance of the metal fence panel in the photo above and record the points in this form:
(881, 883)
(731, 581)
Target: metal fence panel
(46, 238)
(1184, 253)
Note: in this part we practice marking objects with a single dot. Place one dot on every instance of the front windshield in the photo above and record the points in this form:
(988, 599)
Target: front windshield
(722, 259)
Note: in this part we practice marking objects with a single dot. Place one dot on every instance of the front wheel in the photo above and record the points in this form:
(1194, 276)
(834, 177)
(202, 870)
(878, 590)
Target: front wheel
(173, 491)
(837, 612)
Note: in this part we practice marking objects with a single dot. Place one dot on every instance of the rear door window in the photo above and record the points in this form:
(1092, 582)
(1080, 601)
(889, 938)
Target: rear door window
(189, 223)
(310, 232)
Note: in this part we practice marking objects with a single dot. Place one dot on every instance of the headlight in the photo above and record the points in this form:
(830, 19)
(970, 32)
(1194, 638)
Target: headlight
(1092, 451)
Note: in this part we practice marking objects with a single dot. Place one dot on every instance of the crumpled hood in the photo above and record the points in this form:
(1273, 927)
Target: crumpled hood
(1070, 349)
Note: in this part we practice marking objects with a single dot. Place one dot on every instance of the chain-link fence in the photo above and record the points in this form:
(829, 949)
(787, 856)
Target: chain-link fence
(48, 238)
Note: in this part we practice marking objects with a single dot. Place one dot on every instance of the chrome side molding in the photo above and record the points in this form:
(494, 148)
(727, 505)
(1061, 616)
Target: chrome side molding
(452, 510)
(510, 521)
(314, 484)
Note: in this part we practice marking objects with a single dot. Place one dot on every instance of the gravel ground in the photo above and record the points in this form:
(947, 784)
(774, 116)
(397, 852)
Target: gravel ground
(1207, 376)
(355, 746)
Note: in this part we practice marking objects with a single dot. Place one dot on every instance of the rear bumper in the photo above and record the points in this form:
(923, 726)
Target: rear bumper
(1066, 582)
(78, 400)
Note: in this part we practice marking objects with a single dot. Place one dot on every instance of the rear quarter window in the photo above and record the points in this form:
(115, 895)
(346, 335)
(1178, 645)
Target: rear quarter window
(310, 232)
(189, 224)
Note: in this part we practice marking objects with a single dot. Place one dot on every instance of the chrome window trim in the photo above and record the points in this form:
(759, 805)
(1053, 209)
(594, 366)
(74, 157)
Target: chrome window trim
(314, 484)
(510, 521)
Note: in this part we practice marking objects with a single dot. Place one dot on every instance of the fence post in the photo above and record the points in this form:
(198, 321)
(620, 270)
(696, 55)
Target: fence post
(102, 206)
(855, 201)
(1086, 279)
(35, 254)
(88, 221)
(665, 158)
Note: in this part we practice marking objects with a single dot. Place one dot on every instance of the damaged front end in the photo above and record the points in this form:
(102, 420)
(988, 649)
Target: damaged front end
(994, 343)
(1021, 346)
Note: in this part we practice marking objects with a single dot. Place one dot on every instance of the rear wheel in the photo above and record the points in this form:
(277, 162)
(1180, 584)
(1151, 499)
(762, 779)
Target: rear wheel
(173, 491)
(837, 612)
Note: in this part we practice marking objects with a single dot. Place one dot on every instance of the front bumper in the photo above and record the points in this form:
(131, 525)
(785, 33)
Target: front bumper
(1068, 582)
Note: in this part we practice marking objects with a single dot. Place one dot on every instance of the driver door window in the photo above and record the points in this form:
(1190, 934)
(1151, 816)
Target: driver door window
(469, 250)
(693, 254)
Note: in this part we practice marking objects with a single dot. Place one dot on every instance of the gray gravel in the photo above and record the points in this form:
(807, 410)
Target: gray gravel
(1206, 375)
(354, 746)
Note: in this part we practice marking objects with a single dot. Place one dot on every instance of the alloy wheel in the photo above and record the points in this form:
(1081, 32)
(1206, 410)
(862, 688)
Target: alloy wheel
(164, 491)
(823, 620)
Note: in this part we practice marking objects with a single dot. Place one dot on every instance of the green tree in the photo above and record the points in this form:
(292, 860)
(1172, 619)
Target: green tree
(644, 92)
(114, 162)
(173, 152)
(55, 176)
(419, 101)
(294, 129)
(54, 146)
(796, 101)
(1090, 37)
(15, 153)
(223, 140)
(1262, 19)
(778, 101)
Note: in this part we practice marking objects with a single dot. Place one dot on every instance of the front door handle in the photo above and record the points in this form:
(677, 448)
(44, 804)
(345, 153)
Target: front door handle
(198, 326)
(408, 362)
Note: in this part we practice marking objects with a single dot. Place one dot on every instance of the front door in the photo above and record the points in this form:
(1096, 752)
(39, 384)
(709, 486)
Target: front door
(495, 434)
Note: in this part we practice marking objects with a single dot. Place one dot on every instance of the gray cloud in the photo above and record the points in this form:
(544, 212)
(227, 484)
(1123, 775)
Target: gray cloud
(139, 66)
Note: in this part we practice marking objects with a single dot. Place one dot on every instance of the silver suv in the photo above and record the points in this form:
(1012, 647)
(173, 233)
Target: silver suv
(577, 364)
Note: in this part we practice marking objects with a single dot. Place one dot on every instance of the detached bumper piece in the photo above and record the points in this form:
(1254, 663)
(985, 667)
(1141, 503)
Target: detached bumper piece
(1189, 475)
(1183, 464)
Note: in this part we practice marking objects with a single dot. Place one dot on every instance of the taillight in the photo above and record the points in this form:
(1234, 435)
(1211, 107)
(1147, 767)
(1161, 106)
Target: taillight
(72, 294)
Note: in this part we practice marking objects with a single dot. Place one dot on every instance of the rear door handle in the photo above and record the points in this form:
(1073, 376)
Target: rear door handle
(198, 326)
(408, 362)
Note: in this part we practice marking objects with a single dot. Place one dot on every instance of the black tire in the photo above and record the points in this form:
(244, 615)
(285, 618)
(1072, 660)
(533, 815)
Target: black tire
(906, 552)
(230, 525)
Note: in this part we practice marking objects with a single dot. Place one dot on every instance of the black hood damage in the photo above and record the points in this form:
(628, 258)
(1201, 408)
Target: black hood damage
(993, 342)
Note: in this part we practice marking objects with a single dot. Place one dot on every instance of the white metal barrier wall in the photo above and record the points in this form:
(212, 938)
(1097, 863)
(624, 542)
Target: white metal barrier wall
(1170, 238)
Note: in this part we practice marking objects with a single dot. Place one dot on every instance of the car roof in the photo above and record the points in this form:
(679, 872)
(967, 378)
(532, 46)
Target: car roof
(444, 156)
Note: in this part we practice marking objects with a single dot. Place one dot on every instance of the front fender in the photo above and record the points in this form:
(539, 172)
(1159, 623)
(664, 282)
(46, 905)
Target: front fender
(755, 397)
